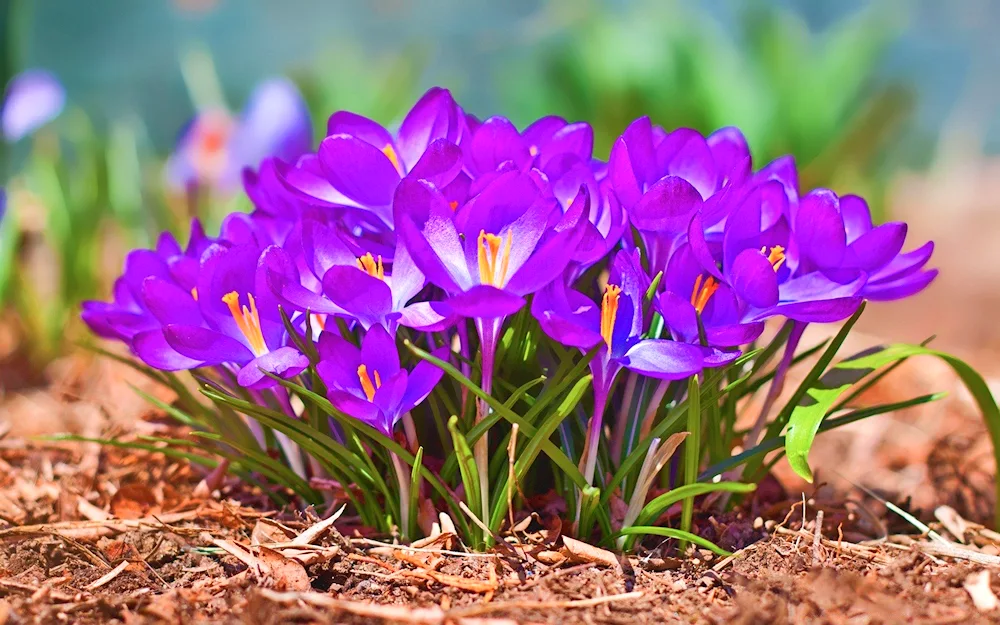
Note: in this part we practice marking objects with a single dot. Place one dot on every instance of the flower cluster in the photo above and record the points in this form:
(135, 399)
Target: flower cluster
(665, 260)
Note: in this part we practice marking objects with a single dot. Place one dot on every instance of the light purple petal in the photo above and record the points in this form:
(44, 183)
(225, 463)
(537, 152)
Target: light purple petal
(32, 99)
(427, 316)
(285, 362)
(275, 122)
(663, 359)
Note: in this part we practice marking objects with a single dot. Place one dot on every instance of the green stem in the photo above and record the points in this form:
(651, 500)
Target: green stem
(692, 453)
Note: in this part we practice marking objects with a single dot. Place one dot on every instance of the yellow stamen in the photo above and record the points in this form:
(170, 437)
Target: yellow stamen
(393, 158)
(489, 253)
(373, 268)
(366, 382)
(194, 293)
(701, 293)
(247, 320)
(609, 312)
(776, 256)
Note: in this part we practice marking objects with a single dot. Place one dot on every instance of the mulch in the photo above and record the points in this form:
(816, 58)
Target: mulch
(103, 535)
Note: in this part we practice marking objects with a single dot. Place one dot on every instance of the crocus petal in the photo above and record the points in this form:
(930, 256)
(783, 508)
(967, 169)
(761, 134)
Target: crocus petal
(364, 297)
(701, 249)
(206, 345)
(434, 116)
(664, 360)
(285, 362)
(819, 228)
(495, 142)
(900, 288)
(485, 302)
(667, 206)
(339, 362)
(152, 348)
(753, 278)
(348, 123)
(685, 154)
(422, 380)
(857, 217)
(877, 247)
(905, 264)
(378, 352)
(360, 409)
(439, 164)
(427, 316)
(731, 153)
(359, 170)
(816, 311)
(32, 99)
(169, 303)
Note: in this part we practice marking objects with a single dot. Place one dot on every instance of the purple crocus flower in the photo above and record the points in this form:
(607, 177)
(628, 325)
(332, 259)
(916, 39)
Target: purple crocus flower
(617, 325)
(32, 99)
(135, 316)
(234, 320)
(757, 259)
(360, 163)
(663, 178)
(368, 383)
(836, 236)
(214, 148)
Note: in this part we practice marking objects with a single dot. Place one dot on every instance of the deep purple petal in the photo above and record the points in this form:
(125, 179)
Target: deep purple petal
(876, 248)
(362, 296)
(422, 380)
(731, 153)
(663, 359)
(439, 164)
(857, 217)
(170, 303)
(206, 345)
(685, 153)
(348, 123)
(378, 352)
(359, 408)
(819, 228)
(485, 302)
(900, 288)
(435, 116)
(667, 206)
(285, 362)
(359, 170)
(152, 348)
(754, 280)
(495, 142)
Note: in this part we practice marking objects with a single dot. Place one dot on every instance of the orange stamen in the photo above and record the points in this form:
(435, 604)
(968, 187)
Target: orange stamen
(247, 320)
(366, 382)
(453, 204)
(489, 253)
(701, 293)
(393, 158)
(609, 312)
(373, 268)
(194, 293)
(776, 256)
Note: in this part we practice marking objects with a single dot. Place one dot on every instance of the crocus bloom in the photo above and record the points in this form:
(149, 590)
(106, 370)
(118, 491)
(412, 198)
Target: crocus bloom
(360, 163)
(368, 383)
(142, 299)
(233, 318)
(757, 260)
(663, 178)
(616, 324)
(214, 149)
(836, 235)
(33, 98)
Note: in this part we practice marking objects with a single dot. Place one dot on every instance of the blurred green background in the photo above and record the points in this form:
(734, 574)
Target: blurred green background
(857, 91)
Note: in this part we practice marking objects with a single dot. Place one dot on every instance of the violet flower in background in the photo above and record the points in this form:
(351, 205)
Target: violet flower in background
(368, 383)
(32, 99)
(617, 322)
(215, 148)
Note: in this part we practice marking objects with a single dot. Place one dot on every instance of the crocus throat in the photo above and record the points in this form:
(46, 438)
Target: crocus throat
(609, 312)
(248, 321)
(489, 254)
(702, 292)
(776, 256)
(390, 153)
(372, 267)
(366, 382)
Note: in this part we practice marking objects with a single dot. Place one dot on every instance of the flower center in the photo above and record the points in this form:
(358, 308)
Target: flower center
(373, 268)
(248, 321)
(390, 153)
(776, 256)
(489, 254)
(609, 312)
(702, 292)
(366, 382)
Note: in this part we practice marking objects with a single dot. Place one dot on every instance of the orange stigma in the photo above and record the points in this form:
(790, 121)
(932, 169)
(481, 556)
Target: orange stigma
(453, 205)
(247, 320)
(776, 256)
(489, 254)
(390, 153)
(609, 312)
(366, 382)
(702, 292)
(373, 268)
(194, 293)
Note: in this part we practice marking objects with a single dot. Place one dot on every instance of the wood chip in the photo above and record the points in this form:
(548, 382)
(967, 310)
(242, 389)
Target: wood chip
(579, 551)
(952, 521)
(108, 577)
(978, 587)
(313, 533)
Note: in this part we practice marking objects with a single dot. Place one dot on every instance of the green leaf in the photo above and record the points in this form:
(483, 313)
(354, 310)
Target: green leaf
(469, 472)
(810, 411)
(418, 465)
(672, 533)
